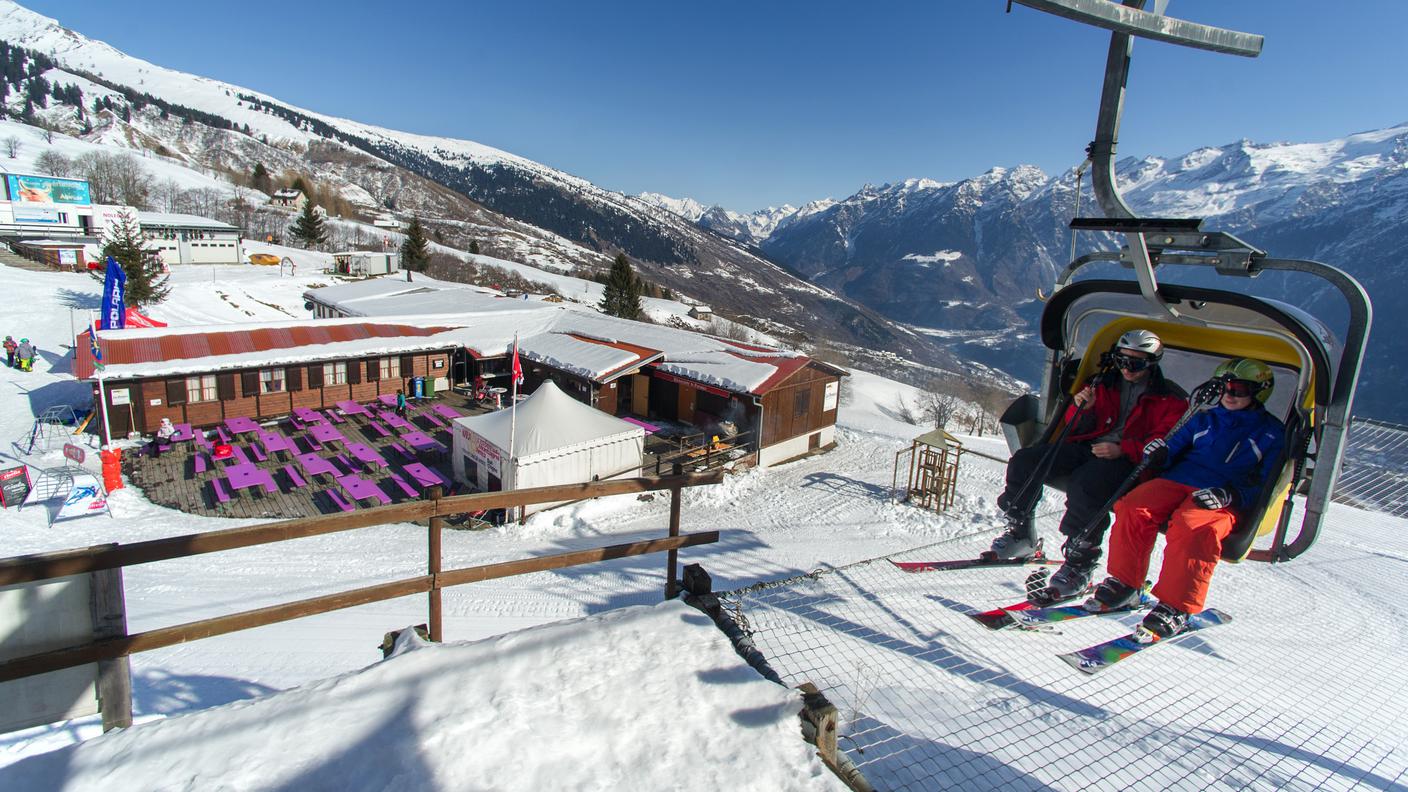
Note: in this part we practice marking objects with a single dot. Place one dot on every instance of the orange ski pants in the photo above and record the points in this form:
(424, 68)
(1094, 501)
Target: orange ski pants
(1194, 541)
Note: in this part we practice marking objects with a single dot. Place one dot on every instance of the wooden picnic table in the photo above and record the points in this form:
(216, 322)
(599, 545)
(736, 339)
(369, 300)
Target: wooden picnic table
(447, 412)
(366, 454)
(245, 476)
(425, 476)
(419, 440)
(362, 489)
(273, 441)
(325, 433)
(315, 465)
(240, 425)
(350, 407)
(309, 416)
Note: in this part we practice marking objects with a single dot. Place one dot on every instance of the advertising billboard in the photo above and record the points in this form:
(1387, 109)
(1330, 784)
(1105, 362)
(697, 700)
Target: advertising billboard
(47, 189)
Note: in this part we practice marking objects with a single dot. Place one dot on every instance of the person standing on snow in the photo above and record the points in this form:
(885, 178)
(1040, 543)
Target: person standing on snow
(10, 346)
(1221, 460)
(1120, 412)
(25, 353)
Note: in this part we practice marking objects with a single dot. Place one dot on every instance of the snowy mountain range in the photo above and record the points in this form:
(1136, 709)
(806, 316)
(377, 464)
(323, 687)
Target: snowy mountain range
(516, 208)
(966, 259)
(915, 278)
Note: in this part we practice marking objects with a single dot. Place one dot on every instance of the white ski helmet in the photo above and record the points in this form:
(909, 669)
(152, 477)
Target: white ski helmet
(1142, 341)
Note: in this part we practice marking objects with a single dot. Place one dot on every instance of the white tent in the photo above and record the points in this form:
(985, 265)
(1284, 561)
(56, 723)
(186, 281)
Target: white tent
(559, 441)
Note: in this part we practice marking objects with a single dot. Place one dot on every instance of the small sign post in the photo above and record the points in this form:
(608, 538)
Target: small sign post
(14, 486)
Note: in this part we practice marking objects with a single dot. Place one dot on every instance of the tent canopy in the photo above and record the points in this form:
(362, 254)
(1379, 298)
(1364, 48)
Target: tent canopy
(550, 423)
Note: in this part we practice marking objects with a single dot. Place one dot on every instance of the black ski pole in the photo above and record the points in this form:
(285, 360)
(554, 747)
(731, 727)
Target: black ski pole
(1204, 395)
(1043, 467)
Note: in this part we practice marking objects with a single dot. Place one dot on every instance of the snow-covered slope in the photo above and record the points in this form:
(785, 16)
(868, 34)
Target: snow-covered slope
(1262, 703)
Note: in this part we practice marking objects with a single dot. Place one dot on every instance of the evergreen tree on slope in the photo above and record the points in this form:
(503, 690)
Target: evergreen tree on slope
(309, 228)
(623, 289)
(415, 250)
(146, 283)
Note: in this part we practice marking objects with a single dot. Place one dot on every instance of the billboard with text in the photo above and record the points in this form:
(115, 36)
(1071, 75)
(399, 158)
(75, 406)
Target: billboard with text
(47, 189)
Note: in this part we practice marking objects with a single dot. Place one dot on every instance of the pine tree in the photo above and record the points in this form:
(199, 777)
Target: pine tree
(474, 246)
(621, 297)
(309, 228)
(415, 251)
(259, 178)
(146, 283)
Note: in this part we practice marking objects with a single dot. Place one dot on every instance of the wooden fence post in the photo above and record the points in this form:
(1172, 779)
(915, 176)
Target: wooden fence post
(672, 556)
(114, 682)
(437, 525)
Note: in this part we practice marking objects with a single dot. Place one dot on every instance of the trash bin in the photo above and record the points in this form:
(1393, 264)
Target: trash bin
(429, 386)
(418, 387)
(112, 468)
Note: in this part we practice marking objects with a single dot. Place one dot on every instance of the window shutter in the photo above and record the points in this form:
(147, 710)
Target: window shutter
(408, 365)
(175, 391)
(315, 376)
(249, 383)
(354, 372)
(225, 386)
(293, 378)
(373, 369)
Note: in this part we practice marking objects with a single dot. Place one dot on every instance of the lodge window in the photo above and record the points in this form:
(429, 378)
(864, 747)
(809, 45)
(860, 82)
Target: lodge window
(271, 380)
(334, 374)
(201, 389)
(390, 368)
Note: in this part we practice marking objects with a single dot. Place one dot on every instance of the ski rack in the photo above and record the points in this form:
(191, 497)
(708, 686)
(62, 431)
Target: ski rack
(1154, 242)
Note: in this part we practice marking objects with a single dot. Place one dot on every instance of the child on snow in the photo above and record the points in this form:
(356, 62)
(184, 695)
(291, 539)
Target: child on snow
(10, 346)
(25, 352)
(1217, 465)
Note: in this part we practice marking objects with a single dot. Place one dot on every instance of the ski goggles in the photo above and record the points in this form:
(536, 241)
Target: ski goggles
(1243, 389)
(1131, 363)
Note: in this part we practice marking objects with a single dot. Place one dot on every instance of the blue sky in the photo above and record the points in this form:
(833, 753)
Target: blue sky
(750, 104)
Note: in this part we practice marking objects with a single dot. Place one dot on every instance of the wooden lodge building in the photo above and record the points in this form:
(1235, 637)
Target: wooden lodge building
(781, 404)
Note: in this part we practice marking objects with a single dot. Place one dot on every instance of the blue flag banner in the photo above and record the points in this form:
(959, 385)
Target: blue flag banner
(114, 296)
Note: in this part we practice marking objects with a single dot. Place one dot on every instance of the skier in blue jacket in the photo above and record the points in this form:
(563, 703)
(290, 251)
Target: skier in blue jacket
(1218, 464)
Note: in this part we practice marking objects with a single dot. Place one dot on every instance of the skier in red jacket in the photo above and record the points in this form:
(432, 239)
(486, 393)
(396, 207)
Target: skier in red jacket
(1115, 417)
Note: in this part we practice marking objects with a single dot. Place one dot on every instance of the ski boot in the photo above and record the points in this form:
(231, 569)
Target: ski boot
(1164, 621)
(1112, 595)
(1018, 541)
(1072, 579)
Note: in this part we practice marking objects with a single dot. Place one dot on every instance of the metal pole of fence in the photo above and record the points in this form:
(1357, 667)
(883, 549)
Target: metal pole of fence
(672, 556)
(437, 525)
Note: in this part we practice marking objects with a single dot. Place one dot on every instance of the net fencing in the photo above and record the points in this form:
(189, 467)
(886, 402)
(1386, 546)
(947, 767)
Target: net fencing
(1374, 474)
(930, 699)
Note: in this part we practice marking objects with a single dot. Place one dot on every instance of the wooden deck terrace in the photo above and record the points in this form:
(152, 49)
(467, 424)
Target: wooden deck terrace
(170, 479)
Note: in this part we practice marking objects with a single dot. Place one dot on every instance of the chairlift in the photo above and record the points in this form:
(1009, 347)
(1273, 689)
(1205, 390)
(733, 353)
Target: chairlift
(1316, 372)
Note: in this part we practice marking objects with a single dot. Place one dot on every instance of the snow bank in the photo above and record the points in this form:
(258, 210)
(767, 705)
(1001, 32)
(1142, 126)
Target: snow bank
(641, 698)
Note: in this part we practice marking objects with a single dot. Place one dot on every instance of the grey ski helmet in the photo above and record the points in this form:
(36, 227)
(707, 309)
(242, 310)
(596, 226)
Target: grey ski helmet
(1142, 341)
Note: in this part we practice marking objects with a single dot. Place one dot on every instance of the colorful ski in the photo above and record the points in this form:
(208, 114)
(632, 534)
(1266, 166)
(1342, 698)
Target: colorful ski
(998, 618)
(1039, 618)
(1103, 655)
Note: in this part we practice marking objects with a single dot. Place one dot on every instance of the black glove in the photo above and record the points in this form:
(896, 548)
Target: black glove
(1213, 498)
(1156, 452)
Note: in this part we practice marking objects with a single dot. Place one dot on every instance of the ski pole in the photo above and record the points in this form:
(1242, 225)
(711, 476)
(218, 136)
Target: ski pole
(1048, 459)
(1204, 395)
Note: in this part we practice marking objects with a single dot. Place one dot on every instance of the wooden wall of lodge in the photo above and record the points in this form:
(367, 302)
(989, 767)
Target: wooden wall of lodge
(782, 420)
(146, 417)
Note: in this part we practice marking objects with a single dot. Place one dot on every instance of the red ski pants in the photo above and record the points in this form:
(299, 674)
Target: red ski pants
(1194, 541)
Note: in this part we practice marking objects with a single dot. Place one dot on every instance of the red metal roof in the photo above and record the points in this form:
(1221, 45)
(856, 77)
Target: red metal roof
(177, 345)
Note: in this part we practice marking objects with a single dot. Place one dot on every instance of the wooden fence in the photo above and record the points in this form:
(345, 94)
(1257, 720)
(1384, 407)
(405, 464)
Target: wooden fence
(45, 566)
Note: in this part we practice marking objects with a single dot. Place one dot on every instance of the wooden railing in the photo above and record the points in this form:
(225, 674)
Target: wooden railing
(46, 566)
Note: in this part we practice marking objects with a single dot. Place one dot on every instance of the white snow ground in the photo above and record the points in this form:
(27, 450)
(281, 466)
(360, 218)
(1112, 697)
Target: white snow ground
(648, 697)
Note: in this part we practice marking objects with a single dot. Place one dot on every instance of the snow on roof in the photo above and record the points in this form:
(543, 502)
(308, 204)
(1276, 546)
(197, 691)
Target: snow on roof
(181, 221)
(287, 192)
(583, 358)
(550, 424)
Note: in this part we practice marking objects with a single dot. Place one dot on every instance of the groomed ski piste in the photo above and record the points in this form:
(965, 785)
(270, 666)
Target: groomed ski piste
(583, 679)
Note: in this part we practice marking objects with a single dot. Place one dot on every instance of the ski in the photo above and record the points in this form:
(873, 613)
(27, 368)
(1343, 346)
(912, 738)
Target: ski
(998, 618)
(1034, 618)
(969, 563)
(1037, 557)
(1101, 656)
